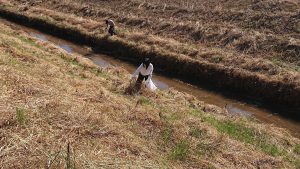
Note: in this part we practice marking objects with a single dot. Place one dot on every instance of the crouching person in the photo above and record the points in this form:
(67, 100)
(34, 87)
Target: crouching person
(110, 25)
(144, 73)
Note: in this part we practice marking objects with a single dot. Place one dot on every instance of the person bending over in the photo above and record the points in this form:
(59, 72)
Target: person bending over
(144, 72)
(110, 25)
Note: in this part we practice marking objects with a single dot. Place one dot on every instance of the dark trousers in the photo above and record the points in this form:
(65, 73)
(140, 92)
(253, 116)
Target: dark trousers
(111, 30)
(139, 81)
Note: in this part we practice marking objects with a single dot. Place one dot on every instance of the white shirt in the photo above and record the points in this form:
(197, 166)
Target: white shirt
(110, 23)
(145, 72)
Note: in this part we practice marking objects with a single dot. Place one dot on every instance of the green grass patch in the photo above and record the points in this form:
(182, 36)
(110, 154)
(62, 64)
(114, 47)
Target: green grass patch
(74, 62)
(145, 101)
(28, 41)
(24, 40)
(217, 58)
(103, 74)
(281, 63)
(21, 116)
(294, 160)
(7, 5)
(167, 134)
(180, 151)
(121, 30)
(297, 163)
(297, 149)
(270, 148)
(239, 131)
(196, 132)
(172, 117)
(6, 59)
(233, 129)
(12, 61)
(99, 72)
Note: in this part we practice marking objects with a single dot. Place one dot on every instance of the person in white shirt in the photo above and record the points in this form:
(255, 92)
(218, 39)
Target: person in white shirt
(110, 26)
(144, 72)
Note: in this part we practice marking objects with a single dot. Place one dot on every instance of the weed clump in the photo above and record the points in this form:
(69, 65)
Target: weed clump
(145, 101)
(204, 148)
(196, 132)
(167, 134)
(180, 151)
(21, 116)
(297, 149)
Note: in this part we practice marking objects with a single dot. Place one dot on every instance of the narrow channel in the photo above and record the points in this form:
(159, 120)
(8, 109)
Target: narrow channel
(235, 106)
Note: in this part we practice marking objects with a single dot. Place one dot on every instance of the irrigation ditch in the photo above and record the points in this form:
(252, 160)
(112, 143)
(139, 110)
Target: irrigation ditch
(243, 84)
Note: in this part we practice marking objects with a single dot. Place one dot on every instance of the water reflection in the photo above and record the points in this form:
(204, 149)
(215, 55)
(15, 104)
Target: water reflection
(235, 110)
(39, 36)
(100, 62)
(159, 84)
(66, 48)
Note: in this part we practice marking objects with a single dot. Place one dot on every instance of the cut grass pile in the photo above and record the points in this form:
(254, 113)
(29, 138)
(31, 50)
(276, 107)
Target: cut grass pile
(60, 110)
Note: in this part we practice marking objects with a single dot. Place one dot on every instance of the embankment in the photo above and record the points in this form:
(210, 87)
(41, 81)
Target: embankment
(60, 110)
(181, 66)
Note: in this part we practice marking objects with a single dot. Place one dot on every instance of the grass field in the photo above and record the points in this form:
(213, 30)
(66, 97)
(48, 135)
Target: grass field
(248, 34)
(252, 46)
(61, 111)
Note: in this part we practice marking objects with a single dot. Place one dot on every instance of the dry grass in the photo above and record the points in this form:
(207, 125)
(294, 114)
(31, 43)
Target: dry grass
(61, 111)
(272, 80)
(226, 33)
(227, 48)
(262, 30)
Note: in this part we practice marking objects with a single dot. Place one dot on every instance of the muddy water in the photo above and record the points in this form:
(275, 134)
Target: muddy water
(235, 106)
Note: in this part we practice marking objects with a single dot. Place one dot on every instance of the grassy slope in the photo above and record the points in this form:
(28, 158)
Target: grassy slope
(50, 98)
(262, 71)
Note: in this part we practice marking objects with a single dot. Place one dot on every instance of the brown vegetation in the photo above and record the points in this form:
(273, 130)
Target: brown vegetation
(272, 79)
(262, 29)
(60, 110)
